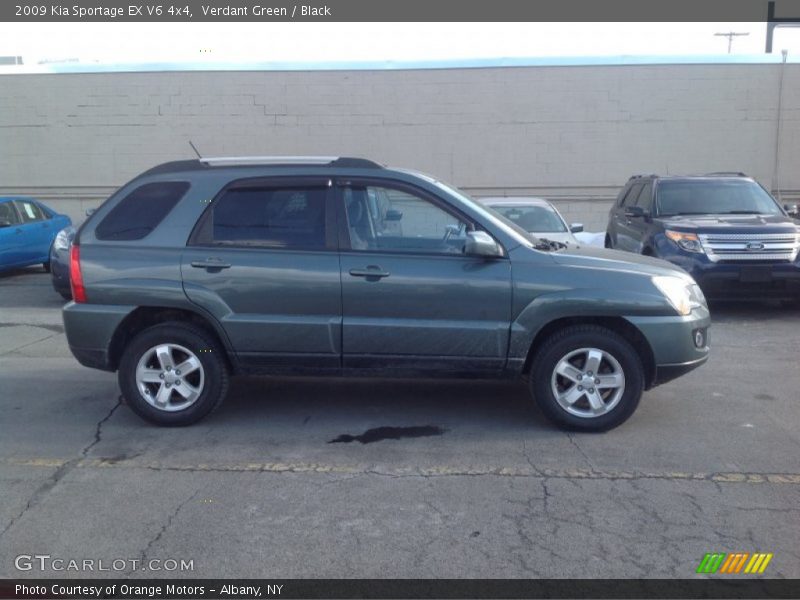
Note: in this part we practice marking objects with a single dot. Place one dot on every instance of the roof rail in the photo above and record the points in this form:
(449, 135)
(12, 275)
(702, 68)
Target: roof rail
(332, 161)
(726, 173)
(227, 161)
(355, 163)
(641, 176)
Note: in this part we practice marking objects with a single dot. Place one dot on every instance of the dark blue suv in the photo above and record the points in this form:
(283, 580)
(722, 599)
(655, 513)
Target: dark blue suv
(724, 229)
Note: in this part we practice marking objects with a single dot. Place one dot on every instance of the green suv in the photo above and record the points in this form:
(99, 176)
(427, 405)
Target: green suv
(198, 270)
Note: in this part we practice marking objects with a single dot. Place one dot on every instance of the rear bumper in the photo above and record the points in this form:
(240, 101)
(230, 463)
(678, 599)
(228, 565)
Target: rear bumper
(59, 271)
(90, 330)
(94, 359)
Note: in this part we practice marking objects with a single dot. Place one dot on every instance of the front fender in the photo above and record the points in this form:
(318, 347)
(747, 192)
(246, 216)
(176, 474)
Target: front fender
(579, 303)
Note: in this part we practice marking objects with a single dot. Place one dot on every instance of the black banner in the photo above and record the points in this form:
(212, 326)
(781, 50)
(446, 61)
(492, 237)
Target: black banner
(395, 10)
(245, 589)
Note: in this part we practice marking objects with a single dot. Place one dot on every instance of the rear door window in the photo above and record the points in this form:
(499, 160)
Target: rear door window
(645, 199)
(29, 211)
(141, 211)
(629, 198)
(273, 217)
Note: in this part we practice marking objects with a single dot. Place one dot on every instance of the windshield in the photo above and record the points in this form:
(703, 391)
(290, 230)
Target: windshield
(533, 218)
(732, 196)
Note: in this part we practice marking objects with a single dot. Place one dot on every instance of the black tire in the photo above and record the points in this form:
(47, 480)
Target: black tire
(607, 242)
(205, 349)
(66, 295)
(571, 339)
(46, 266)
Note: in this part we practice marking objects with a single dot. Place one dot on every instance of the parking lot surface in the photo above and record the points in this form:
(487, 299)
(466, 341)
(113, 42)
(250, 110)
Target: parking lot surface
(483, 487)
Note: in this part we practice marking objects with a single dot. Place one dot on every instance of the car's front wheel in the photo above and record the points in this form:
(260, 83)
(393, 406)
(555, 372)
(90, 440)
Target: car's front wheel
(587, 377)
(173, 374)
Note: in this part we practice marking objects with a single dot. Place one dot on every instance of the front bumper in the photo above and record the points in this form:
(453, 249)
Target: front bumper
(751, 279)
(748, 280)
(674, 342)
(665, 373)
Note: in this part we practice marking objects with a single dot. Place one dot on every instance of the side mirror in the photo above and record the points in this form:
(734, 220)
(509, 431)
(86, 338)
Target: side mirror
(393, 215)
(90, 211)
(480, 243)
(792, 209)
(635, 212)
(576, 227)
(5, 223)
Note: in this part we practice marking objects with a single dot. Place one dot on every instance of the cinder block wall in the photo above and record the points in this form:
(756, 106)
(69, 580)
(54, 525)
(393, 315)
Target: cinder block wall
(571, 134)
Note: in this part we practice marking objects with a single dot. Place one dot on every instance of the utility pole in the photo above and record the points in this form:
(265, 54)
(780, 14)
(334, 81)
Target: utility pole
(774, 22)
(730, 35)
(778, 119)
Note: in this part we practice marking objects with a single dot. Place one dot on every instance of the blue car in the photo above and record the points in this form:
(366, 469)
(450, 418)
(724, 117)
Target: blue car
(27, 230)
(724, 229)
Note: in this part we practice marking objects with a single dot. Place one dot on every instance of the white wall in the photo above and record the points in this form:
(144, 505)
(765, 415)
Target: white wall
(572, 134)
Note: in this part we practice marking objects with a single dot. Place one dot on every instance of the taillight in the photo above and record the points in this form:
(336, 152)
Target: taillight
(75, 276)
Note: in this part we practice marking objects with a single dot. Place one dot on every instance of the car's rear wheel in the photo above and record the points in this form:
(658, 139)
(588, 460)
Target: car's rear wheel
(173, 374)
(587, 377)
(607, 243)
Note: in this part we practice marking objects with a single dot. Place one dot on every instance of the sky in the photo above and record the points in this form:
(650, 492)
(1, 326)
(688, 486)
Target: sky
(130, 43)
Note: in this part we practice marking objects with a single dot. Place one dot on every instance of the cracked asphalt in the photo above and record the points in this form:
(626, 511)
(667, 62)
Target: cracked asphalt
(709, 463)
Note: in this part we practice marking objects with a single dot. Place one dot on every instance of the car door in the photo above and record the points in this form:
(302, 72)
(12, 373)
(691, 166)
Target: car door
(35, 232)
(263, 260)
(625, 234)
(639, 225)
(410, 298)
(11, 238)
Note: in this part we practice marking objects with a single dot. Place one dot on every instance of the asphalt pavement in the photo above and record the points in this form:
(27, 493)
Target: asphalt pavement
(385, 478)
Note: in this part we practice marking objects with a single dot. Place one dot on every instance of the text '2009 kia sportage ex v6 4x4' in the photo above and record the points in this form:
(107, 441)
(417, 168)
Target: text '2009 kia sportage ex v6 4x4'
(197, 270)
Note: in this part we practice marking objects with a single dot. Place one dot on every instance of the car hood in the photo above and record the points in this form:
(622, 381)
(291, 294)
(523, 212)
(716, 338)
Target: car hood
(616, 260)
(730, 223)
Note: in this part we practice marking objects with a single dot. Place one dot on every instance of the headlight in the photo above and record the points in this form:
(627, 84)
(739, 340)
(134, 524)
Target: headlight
(683, 295)
(687, 241)
(62, 240)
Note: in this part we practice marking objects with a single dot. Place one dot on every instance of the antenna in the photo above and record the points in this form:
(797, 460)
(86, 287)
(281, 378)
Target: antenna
(195, 150)
(730, 35)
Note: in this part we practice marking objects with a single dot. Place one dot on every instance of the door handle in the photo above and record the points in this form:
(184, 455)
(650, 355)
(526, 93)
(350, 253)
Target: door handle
(210, 263)
(18, 230)
(370, 272)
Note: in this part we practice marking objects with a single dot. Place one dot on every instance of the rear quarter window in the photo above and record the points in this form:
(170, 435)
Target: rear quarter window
(141, 211)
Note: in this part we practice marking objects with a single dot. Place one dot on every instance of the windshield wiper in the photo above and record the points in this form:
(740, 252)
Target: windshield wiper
(679, 214)
(548, 245)
(741, 212)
